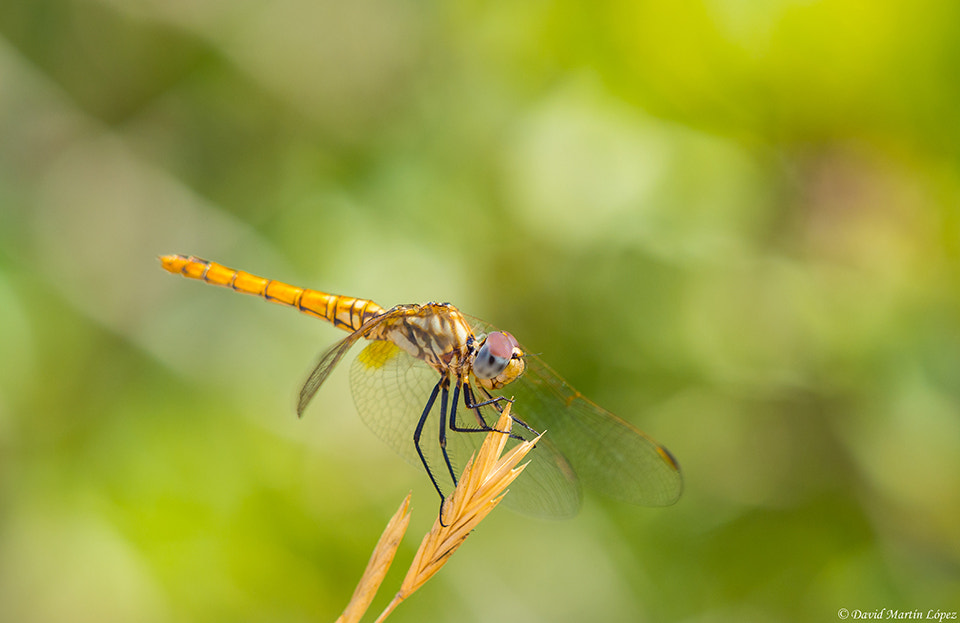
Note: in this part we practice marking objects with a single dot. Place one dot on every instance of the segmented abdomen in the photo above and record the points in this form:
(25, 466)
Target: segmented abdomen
(342, 311)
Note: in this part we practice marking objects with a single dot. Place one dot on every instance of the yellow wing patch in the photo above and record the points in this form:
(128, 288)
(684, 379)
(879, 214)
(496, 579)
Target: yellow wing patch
(378, 353)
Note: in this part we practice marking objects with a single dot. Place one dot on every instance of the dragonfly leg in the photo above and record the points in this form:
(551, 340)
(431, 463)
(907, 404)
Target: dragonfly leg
(444, 399)
(470, 403)
(495, 401)
(491, 400)
(416, 443)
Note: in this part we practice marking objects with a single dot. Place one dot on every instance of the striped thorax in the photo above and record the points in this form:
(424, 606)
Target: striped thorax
(436, 333)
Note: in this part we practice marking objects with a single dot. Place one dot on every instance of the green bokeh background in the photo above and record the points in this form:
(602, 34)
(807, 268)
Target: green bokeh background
(735, 224)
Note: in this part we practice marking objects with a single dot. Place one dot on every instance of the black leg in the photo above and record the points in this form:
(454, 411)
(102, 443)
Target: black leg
(444, 399)
(416, 441)
(453, 409)
(471, 403)
(468, 403)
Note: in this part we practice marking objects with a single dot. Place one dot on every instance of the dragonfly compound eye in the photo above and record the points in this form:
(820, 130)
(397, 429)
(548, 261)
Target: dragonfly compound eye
(498, 361)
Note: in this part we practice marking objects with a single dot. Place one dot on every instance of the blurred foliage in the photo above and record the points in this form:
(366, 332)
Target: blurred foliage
(736, 224)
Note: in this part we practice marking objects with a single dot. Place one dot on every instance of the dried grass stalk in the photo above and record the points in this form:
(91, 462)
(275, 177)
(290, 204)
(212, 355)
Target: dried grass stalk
(379, 565)
(482, 485)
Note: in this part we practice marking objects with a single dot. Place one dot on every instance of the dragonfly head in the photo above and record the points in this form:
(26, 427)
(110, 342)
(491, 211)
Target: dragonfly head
(498, 361)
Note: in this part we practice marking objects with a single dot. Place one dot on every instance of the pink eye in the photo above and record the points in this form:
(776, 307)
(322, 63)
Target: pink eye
(494, 355)
(500, 344)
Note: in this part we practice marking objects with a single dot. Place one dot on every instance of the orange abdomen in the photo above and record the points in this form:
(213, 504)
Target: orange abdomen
(342, 311)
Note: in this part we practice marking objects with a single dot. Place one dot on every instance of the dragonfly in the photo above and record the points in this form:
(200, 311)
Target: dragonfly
(432, 364)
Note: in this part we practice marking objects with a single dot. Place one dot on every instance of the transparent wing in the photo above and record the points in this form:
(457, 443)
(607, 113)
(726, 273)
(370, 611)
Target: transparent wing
(329, 360)
(607, 454)
(391, 389)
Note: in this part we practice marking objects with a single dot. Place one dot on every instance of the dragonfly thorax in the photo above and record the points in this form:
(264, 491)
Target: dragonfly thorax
(439, 335)
(436, 333)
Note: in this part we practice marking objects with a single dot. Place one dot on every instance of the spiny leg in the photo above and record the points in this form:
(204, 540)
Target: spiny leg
(471, 403)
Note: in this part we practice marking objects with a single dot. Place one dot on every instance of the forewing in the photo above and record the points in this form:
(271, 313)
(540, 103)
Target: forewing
(328, 361)
(607, 454)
